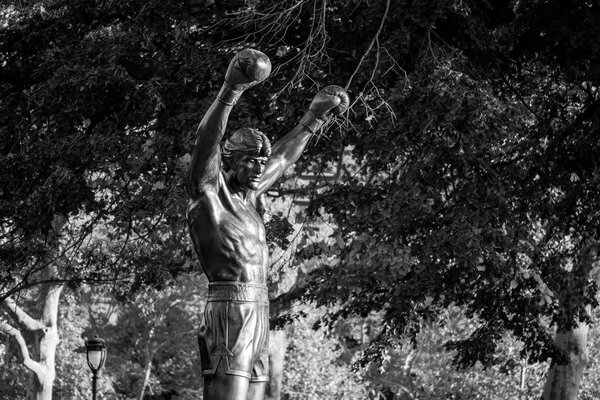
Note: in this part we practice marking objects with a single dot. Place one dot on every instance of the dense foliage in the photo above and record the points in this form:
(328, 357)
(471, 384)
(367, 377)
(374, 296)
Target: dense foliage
(482, 188)
(471, 167)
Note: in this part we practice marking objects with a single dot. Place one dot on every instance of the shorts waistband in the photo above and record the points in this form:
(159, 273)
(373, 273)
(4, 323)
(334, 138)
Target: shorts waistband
(238, 291)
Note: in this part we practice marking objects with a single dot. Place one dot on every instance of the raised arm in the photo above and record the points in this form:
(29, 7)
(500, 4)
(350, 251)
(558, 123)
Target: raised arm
(329, 101)
(247, 68)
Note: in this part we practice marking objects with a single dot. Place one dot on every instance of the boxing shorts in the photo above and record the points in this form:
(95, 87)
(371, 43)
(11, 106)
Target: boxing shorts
(236, 330)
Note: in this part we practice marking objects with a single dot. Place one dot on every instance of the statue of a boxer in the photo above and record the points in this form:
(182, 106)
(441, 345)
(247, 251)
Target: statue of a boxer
(229, 235)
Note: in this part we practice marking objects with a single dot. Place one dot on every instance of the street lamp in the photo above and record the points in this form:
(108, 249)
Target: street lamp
(96, 355)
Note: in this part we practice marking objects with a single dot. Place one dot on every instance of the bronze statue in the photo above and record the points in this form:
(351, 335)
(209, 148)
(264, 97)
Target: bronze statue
(229, 235)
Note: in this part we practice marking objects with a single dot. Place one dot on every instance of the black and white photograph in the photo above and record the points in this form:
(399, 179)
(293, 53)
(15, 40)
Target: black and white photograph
(299, 200)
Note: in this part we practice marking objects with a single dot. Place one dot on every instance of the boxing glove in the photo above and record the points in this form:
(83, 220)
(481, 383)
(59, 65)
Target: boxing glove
(246, 69)
(331, 100)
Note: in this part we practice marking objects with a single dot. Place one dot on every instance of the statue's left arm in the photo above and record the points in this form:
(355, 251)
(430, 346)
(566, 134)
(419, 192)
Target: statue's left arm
(330, 101)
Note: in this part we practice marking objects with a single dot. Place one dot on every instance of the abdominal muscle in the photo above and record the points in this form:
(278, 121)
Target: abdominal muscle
(229, 239)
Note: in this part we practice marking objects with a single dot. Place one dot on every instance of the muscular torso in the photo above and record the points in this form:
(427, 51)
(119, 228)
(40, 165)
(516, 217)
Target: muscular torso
(228, 236)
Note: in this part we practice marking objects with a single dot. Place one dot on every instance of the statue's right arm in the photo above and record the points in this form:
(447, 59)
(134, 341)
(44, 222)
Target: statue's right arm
(203, 173)
(247, 68)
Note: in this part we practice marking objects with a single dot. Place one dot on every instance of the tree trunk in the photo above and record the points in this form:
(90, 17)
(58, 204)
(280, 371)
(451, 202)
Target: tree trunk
(46, 341)
(146, 379)
(277, 350)
(43, 382)
(564, 380)
(45, 328)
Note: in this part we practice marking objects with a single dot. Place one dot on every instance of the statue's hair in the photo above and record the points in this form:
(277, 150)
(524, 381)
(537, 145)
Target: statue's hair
(246, 141)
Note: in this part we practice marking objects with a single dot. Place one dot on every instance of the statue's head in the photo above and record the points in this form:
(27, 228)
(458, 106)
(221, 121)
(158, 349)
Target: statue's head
(246, 153)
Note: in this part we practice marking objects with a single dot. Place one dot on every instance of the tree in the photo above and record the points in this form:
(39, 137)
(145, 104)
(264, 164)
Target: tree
(84, 171)
(481, 191)
(151, 339)
(312, 370)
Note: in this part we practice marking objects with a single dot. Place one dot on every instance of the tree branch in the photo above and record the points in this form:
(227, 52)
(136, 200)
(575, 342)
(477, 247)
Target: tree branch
(10, 305)
(373, 41)
(34, 366)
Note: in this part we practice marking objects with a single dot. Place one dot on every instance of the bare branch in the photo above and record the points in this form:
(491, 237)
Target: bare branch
(314, 54)
(33, 365)
(373, 41)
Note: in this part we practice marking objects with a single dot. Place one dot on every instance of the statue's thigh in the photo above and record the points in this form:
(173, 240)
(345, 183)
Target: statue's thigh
(222, 386)
(256, 391)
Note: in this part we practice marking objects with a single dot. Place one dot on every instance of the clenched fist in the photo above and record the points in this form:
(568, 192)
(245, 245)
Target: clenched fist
(331, 100)
(247, 68)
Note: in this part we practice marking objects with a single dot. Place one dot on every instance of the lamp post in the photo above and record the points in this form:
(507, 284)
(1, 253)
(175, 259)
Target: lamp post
(96, 355)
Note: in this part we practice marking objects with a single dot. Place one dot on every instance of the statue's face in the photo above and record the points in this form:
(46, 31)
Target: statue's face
(248, 171)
